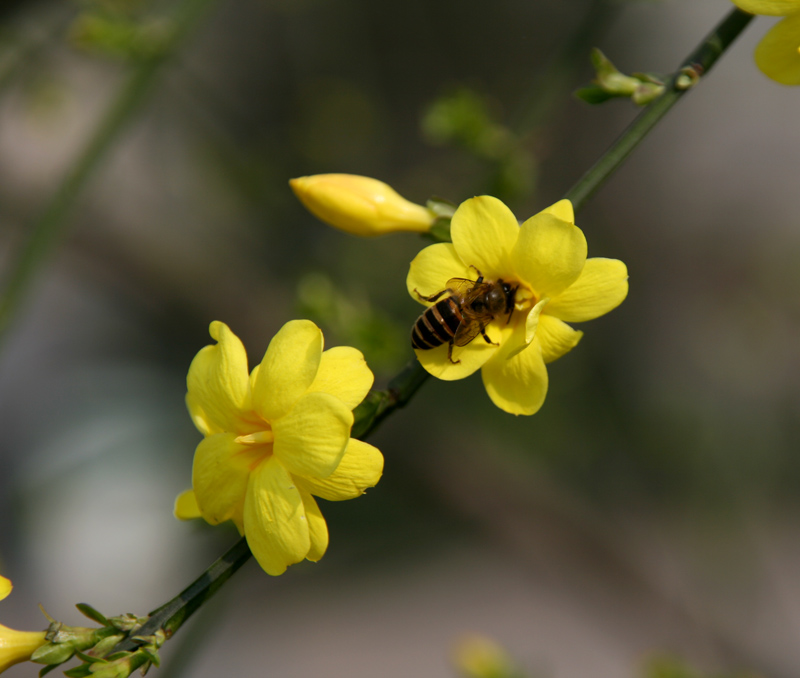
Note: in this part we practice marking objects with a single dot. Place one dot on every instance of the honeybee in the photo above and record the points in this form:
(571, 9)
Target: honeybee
(462, 315)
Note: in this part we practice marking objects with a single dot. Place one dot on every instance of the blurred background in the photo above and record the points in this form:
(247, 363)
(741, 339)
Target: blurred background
(644, 523)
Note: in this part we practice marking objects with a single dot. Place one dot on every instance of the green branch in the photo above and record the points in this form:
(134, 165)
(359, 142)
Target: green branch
(694, 67)
(48, 229)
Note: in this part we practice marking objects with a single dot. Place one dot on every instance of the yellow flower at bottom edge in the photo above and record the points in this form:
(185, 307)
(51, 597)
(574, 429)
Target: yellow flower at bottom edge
(16, 646)
(274, 438)
(545, 259)
(769, 7)
(778, 53)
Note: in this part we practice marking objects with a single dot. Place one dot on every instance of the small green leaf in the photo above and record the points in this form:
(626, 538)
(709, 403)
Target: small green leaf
(91, 613)
(79, 671)
(593, 94)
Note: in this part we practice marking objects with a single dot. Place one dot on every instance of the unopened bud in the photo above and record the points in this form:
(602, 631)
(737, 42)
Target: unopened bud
(480, 657)
(360, 205)
(18, 646)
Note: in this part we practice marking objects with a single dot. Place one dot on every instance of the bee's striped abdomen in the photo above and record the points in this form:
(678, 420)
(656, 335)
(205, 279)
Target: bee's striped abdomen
(437, 325)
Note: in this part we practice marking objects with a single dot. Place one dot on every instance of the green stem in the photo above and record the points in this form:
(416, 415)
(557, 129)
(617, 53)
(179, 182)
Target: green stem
(380, 404)
(696, 65)
(48, 229)
(171, 615)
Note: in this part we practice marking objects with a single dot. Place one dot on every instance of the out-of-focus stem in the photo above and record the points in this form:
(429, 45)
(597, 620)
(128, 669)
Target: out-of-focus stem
(48, 229)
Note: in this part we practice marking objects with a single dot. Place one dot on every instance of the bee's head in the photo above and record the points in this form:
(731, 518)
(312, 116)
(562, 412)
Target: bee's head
(510, 292)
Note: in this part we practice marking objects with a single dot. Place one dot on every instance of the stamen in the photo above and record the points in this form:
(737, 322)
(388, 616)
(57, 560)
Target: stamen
(259, 438)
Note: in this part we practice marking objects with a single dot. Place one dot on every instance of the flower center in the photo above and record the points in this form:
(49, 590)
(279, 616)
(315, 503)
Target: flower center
(525, 298)
(258, 445)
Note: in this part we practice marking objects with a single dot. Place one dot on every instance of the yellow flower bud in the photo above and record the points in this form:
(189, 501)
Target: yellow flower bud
(477, 656)
(360, 205)
(18, 646)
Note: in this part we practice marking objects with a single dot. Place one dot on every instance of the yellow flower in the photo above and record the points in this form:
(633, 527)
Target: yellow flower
(477, 656)
(16, 646)
(778, 53)
(771, 7)
(360, 205)
(546, 259)
(274, 438)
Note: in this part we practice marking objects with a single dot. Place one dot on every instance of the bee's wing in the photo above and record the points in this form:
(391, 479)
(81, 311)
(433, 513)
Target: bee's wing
(461, 286)
(467, 331)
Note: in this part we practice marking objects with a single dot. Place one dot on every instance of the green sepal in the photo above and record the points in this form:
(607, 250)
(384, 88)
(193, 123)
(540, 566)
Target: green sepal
(439, 231)
(441, 207)
(88, 611)
(46, 669)
(79, 671)
(52, 653)
(126, 622)
(152, 655)
(106, 644)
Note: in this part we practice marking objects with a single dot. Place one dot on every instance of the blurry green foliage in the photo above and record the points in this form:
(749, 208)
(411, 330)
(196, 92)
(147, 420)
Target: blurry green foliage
(667, 666)
(350, 319)
(465, 119)
(123, 29)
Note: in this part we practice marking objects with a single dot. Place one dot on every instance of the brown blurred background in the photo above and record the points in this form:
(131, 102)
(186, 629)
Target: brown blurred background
(649, 509)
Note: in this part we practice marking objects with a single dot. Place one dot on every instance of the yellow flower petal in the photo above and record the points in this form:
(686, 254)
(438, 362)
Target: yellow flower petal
(561, 210)
(484, 231)
(468, 359)
(432, 268)
(317, 527)
(549, 254)
(516, 380)
(344, 374)
(5, 587)
(219, 476)
(288, 368)
(18, 646)
(218, 382)
(186, 507)
(311, 439)
(778, 53)
(601, 287)
(532, 321)
(361, 467)
(772, 7)
(275, 521)
(556, 337)
(199, 417)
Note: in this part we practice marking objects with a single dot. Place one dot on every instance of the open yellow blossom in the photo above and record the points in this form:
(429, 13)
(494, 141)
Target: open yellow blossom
(545, 259)
(16, 646)
(769, 7)
(778, 53)
(360, 205)
(274, 438)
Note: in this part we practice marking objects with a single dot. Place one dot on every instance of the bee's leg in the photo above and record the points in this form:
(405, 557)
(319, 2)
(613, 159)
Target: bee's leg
(486, 337)
(480, 275)
(433, 297)
(450, 354)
